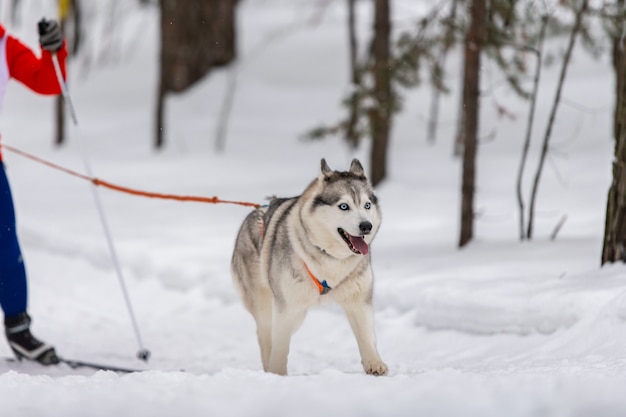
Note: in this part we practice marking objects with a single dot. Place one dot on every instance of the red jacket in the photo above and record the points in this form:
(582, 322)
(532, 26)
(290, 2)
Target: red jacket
(37, 73)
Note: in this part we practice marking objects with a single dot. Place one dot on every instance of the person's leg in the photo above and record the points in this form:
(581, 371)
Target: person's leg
(13, 289)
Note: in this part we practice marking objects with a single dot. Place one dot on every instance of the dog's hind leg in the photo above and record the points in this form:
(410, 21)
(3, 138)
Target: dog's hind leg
(286, 321)
(361, 317)
(263, 318)
(257, 299)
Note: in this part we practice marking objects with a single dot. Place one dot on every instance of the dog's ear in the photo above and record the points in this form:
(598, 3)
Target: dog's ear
(326, 171)
(356, 168)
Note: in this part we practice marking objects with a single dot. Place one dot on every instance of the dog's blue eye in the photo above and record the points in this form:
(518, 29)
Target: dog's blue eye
(343, 206)
(368, 205)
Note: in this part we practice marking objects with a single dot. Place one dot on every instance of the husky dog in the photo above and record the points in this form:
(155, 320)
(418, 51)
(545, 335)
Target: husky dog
(298, 251)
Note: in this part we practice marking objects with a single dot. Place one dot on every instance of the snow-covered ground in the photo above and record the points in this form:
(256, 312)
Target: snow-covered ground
(501, 328)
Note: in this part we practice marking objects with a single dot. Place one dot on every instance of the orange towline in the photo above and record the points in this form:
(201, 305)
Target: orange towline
(127, 190)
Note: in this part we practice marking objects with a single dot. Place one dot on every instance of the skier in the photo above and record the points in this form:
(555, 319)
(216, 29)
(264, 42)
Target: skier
(37, 73)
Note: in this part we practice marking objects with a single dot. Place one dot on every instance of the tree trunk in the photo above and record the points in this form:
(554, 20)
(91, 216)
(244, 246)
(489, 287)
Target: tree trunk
(471, 110)
(616, 61)
(433, 117)
(196, 36)
(73, 13)
(353, 42)
(380, 115)
(160, 116)
(226, 109)
(352, 136)
(59, 105)
(614, 248)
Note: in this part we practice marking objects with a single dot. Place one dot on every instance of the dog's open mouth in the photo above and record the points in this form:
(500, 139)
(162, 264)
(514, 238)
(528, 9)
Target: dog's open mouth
(356, 243)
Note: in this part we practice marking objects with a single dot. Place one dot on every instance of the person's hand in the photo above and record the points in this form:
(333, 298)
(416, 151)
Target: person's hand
(50, 35)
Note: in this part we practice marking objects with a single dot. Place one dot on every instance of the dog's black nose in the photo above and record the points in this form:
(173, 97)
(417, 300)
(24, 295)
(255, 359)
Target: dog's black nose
(365, 227)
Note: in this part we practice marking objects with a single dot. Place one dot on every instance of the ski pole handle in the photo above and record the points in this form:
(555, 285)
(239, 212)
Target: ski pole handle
(42, 25)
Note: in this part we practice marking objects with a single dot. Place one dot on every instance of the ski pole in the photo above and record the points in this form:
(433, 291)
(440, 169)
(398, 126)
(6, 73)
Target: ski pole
(143, 353)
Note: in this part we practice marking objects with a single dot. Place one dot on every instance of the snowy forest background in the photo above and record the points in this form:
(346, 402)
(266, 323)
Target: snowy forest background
(507, 325)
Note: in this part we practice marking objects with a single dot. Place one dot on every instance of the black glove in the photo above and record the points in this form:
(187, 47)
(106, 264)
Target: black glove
(50, 35)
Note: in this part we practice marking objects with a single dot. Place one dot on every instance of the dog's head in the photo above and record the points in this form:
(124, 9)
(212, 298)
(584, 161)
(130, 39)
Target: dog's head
(342, 214)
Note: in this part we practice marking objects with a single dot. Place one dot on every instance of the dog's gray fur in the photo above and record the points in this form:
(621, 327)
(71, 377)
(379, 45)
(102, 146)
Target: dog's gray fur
(277, 243)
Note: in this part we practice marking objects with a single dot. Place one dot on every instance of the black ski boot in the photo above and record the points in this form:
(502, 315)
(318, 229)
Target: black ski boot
(24, 344)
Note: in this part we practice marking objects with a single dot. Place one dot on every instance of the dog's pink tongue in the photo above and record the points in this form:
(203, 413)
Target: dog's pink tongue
(359, 244)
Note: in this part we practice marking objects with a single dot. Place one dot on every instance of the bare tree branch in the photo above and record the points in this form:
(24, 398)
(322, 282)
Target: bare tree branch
(546, 141)
(529, 126)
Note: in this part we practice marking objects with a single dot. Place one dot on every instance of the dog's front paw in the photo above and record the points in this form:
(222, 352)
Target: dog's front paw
(277, 367)
(375, 367)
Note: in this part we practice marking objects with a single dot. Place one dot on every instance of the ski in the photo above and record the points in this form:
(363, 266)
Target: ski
(76, 364)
